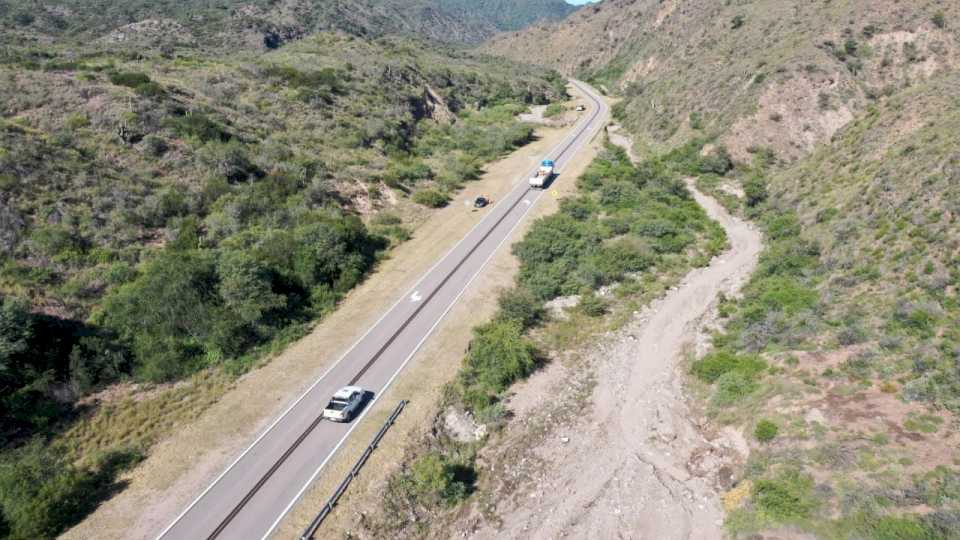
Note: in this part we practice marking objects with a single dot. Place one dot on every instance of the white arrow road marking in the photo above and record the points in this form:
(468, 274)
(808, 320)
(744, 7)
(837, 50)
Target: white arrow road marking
(415, 297)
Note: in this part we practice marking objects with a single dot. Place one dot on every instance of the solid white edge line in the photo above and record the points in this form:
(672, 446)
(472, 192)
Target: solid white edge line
(352, 347)
(413, 353)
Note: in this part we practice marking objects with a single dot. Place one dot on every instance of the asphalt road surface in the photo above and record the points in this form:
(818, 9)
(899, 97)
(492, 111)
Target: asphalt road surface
(259, 488)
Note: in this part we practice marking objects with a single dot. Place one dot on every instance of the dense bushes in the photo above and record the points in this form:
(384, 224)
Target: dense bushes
(431, 198)
(628, 219)
(483, 135)
(42, 355)
(787, 496)
(765, 431)
(315, 87)
(42, 493)
(130, 79)
(554, 109)
(781, 293)
(498, 356)
(435, 480)
(196, 125)
(520, 305)
(716, 364)
(188, 308)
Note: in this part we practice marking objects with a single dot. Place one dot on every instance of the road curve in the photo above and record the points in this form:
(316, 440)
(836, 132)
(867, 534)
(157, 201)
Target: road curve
(250, 497)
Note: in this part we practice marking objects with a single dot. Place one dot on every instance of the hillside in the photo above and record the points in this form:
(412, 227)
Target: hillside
(509, 15)
(841, 359)
(755, 74)
(262, 24)
(834, 127)
(177, 219)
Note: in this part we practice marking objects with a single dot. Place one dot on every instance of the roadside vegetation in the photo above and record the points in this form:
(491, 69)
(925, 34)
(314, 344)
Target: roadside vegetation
(841, 357)
(628, 234)
(167, 222)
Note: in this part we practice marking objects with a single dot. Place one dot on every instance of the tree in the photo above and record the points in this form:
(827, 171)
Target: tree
(246, 287)
(334, 253)
(16, 331)
(166, 314)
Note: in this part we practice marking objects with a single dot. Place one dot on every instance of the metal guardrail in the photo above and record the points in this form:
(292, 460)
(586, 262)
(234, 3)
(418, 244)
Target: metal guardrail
(327, 508)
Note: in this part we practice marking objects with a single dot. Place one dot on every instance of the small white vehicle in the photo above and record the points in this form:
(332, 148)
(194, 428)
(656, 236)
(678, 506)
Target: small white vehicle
(581, 108)
(345, 404)
(543, 174)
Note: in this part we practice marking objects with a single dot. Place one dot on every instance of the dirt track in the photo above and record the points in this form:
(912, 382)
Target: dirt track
(635, 466)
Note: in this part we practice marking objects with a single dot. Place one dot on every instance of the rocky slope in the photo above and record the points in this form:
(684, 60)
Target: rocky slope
(171, 25)
(759, 74)
(840, 363)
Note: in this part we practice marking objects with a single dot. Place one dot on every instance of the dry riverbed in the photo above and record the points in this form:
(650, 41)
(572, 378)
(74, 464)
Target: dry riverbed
(609, 442)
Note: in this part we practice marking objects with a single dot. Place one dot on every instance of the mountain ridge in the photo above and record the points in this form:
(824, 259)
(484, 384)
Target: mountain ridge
(266, 23)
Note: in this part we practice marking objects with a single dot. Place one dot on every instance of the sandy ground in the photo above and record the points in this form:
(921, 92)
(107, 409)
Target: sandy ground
(631, 463)
(183, 464)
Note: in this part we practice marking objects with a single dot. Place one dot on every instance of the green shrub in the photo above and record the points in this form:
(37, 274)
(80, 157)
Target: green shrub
(129, 78)
(407, 172)
(592, 305)
(229, 160)
(166, 314)
(734, 386)
(519, 304)
(737, 21)
(155, 146)
(42, 494)
(755, 190)
(149, 89)
(696, 121)
(196, 125)
(939, 20)
(23, 18)
(554, 109)
(716, 162)
(434, 480)
(498, 356)
(788, 496)
(900, 528)
(715, 364)
(76, 121)
(918, 319)
(765, 431)
(431, 198)
(777, 294)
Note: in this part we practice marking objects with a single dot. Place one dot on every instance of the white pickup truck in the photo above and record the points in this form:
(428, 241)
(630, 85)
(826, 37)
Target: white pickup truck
(543, 174)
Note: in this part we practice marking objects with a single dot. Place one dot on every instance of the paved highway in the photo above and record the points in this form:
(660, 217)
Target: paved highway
(259, 488)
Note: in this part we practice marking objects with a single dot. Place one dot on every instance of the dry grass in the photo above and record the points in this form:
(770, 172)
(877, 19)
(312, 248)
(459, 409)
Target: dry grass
(133, 417)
